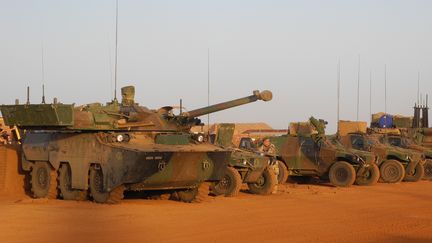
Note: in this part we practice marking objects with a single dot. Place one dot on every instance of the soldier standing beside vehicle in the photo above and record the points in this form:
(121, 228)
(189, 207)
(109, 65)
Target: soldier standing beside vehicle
(268, 148)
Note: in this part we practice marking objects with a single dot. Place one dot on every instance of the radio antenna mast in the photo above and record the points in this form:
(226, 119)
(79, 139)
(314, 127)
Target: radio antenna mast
(116, 50)
(418, 87)
(43, 72)
(370, 94)
(358, 87)
(208, 89)
(385, 89)
(338, 90)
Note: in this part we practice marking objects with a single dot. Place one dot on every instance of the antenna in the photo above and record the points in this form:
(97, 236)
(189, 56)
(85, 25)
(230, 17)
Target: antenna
(28, 95)
(370, 94)
(418, 87)
(385, 89)
(358, 87)
(338, 91)
(116, 50)
(208, 89)
(43, 93)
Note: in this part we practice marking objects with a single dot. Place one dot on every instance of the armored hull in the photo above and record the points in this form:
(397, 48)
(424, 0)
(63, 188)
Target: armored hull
(107, 149)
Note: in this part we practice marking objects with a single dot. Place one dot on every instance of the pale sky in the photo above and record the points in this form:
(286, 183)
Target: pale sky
(289, 47)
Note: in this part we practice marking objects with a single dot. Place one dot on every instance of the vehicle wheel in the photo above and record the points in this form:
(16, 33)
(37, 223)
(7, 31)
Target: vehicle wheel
(342, 174)
(43, 181)
(265, 183)
(428, 170)
(229, 185)
(417, 174)
(97, 192)
(65, 185)
(197, 194)
(392, 171)
(283, 172)
(370, 176)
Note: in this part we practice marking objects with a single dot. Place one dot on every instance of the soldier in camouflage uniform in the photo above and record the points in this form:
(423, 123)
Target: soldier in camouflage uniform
(268, 148)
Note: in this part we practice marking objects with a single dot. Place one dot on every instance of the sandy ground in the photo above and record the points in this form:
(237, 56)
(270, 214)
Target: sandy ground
(298, 213)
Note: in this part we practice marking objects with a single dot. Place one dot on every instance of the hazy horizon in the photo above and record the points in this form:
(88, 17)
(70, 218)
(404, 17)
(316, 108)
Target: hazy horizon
(289, 47)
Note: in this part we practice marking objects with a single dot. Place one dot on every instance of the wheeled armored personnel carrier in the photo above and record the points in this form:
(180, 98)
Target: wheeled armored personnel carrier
(244, 167)
(406, 143)
(306, 152)
(106, 149)
(395, 163)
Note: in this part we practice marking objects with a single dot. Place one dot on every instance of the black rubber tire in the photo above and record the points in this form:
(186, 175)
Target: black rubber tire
(230, 184)
(43, 181)
(427, 170)
(97, 192)
(283, 172)
(65, 185)
(370, 177)
(197, 194)
(342, 174)
(266, 183)
(392, 171)
(418, 174)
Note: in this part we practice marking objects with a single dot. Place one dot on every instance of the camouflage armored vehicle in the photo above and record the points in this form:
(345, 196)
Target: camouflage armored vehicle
(244, 167)
(306, 152)
(406, 143)
(107, 149)
(396, 164)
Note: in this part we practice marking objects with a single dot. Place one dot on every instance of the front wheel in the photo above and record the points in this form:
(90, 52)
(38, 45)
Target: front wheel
(43, 181)
(342, 174)
(265, 184)
(427, 170)
(369, 177)
(416, 175)
(392, 171)
(230, 184)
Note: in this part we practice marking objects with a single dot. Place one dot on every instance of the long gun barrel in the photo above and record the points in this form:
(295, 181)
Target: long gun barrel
(264, 95)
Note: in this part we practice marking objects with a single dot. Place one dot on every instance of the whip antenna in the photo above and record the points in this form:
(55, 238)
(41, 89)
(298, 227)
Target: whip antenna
(358, 87)
(116, 48)
(208, 89)
(338, 90)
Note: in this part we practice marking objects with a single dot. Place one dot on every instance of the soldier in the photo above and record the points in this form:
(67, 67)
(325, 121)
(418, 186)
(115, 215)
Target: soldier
(268, 148)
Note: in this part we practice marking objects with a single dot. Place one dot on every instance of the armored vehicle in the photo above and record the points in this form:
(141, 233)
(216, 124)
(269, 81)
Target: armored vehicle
(306, 152)
(107, 149)
(244, 167)
(396, 164)
(406, 143)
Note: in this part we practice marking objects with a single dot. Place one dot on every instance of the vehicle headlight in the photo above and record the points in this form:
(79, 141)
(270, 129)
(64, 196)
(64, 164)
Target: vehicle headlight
(200, 138)
(120, 138)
